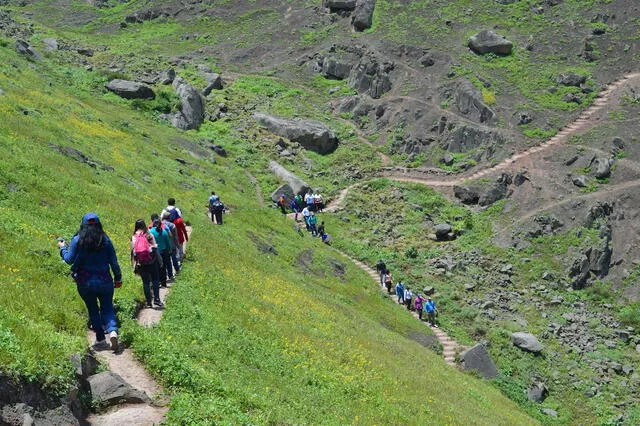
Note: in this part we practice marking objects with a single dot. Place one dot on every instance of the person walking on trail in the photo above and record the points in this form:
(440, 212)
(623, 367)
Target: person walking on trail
(388, 281)
(418, 305)
(407, 297)
(306, 214)
(381, 268)
(170, 228)
(93, 258)
(164, 251)
(308, 199)
(295, 207)
(282, 203)
(175, 242)
(321, 230)
(175, 217)
(174, 212)
(400, 292)
(216, 208)
(313, 221)
(143, 254)
(431, 310)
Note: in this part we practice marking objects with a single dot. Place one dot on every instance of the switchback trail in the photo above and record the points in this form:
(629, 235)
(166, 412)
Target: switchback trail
(124, 364)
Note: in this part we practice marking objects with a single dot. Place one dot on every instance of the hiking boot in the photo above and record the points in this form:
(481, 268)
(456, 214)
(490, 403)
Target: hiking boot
(148, 305)
(100, 345)
(113, 337)
(159, 304)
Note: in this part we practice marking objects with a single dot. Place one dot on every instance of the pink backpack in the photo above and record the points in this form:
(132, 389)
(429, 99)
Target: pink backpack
(141, 248)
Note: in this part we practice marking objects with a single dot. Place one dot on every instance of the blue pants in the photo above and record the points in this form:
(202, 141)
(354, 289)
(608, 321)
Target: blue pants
(149, 275)
(98, 296)
(167, 268)
(174, 260)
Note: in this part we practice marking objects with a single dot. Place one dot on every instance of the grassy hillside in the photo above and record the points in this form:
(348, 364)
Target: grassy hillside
(300, 336)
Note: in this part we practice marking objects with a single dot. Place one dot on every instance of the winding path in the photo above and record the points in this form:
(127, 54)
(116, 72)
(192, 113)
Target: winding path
(124, 363)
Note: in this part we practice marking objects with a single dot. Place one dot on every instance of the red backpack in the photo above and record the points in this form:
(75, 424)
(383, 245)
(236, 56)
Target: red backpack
(141, 248)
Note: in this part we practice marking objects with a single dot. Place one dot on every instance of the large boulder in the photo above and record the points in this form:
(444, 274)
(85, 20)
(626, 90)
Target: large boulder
(50, 44)
(478, 358)
(293, 184)
(362, 18)
(214, 82)
(339, 5)
(443, 232)
(495, 192)
(191, 114)
(109, 389)
(537, 392)
(130, 89)
(579, 272)
(335, 68)
(526, 341)
(24, 48)
(312, 135)
(571, 79)
(467, 194)
(487, 41)
(470, 103)
(603, 167)
(371, 75)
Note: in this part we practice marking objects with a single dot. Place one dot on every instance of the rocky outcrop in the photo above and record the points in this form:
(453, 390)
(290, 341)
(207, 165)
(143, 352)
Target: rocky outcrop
(470, 104)
(312, 135)
(335, 6)
(487, 41)
(25, 49)
(191, 114)
(527, 342)
(478, 358)
(130, 89)
(467, 194)
(337, 69)
(496, 192)
(109, 389)
(293, 184)
(371, 75)
(362, 18)
(465, 138)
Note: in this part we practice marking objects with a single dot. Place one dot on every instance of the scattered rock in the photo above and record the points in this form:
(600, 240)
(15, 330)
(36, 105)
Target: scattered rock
(218, 149)
(571, 79)
(85, 52)
(130, 89)
(109, 389)
(214, 82)
(427, 60)
(191, 114)
(495, 192)
(487, 41)
(580, 181)
(443, 232)
(167, 76)
(603, 167)
(478, 358)
(50, 44)
(312, 135)
(363, 15)
(24, 48)
(447, 159)
(550, 412)
(335, 6)
(537, 393)
(524, 117)
(527, 342)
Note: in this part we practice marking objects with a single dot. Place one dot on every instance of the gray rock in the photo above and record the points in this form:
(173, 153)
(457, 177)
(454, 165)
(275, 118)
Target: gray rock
(218, 149)
(603, 167)
(495, 192)
(167, 76)
(2, 93)
(50, 44)
(524, 117)
(527, 342)
(363, 15)
(427, 60)
(24, 48)
(537, 393)
(638, 347)
(442, 231)
(550, 412)
(579, 272)
(191, 114)
(468, 137)
(295, 184)
(571, 79)
(618, 143)
(312, 135)
(339, 5)
(214, 82)
(467, 194)
(470, 103)
(487, 305)
(371, 75)
(580, 181)
(447, 159)
(429, 291)
(520, 178)
(109, 389)
(85, 52)
(627, 369)
(478, 358)
(130, 89)
(336, 68)
(487, 41)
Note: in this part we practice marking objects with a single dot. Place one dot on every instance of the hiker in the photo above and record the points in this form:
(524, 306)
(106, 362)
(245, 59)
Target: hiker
(295, 207)
(174, 212)
(216, 208)
(91, 254)
(166, 226)
(163, 243)
(400, 292)
(282, 203)
(318, 204)
(326, 238)
(388, 281)
(306, 213)
(308, 199)
(407, 298)
(313, 220)
(144, 256)
(321, 230)
(175, 242)
(418, 304)
(381, 268)
(432, 311)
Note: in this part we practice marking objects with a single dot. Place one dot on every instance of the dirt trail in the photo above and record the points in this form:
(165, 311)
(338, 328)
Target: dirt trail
(256, 184)
(585, 121)
(133, 372)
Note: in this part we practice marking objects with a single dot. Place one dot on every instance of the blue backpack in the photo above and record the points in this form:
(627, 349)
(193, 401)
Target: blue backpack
(173, 215)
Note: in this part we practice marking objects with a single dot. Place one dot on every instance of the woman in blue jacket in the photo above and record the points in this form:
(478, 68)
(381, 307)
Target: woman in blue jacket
(90, 255)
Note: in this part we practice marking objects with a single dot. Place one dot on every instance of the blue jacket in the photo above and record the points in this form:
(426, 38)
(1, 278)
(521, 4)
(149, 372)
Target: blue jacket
(430, 306)
(162, 239)
(92, 267)
(400, 289)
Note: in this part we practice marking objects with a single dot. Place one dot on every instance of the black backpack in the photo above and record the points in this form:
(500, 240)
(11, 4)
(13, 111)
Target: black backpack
(216, 206)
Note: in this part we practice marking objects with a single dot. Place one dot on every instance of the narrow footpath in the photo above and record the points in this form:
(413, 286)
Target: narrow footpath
(124, 364)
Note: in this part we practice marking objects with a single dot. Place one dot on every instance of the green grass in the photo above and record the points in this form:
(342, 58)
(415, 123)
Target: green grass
(246, 337)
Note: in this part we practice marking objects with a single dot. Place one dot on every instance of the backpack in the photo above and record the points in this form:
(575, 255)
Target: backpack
(142, 249)
(216, 206)
(173, 214)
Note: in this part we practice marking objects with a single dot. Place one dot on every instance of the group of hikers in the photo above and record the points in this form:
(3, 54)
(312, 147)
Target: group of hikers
(421, 303)
(157, 252)
(313, 204)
